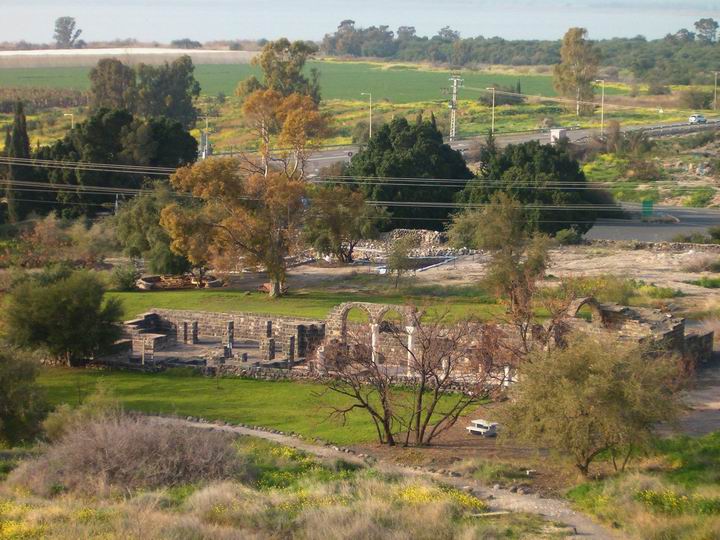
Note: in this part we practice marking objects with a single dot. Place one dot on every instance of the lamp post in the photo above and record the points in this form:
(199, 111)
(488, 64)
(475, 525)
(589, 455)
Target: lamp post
(602, 108)
(72, 119)
(369, 94)
(493, 89)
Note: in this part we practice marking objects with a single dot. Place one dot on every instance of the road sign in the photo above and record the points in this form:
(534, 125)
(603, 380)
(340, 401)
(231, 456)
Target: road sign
(647, 208)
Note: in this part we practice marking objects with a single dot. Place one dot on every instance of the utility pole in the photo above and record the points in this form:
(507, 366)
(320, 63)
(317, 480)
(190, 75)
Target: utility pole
(493, 90)
(371, 118)
(602, 108)
(457, 83)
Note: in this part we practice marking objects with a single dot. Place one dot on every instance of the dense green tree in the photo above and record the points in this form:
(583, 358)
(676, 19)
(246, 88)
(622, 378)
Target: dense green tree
(338, 218)
(115, 137)
(707, 29)
(68, 317)
(66, 33)
(596, 395)
(112, 85)
(282, 64)
(168, 90)
(403, 151)
(17, 145)
(22, 403)
(140, 234)
(538, 175)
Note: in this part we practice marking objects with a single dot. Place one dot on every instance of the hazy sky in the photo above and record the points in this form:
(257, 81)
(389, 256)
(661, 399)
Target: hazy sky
(164, 20)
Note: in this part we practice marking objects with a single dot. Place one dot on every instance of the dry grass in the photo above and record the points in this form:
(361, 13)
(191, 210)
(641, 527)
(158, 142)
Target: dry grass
(122, 453)
(702, 262)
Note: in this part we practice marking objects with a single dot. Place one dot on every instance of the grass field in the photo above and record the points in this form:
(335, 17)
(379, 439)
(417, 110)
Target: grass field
(287, 406)
(309, 303)
(339, 80)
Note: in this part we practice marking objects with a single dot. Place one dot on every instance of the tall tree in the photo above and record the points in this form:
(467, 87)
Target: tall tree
(406, 151)
(255, 217)
(707, 29)
(141, 235)
(282, 64)
(578, 69)
(168, 90)
(112, 85)
(17, 145)
(66, 34)
(338, 218)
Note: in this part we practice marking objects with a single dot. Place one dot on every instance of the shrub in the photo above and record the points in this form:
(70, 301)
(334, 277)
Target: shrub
(22, 404)
(68, 317)
(607, 288)
(702, 262)
(123, 453)
(123, 278)
(100, 404)
(659, 293)
(707, 282)
(568, 237)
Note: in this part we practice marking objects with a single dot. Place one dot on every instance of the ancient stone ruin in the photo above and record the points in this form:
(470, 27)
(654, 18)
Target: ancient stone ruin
(243, 343)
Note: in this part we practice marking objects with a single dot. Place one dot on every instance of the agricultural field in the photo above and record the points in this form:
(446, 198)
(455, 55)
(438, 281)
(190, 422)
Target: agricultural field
(397, 89)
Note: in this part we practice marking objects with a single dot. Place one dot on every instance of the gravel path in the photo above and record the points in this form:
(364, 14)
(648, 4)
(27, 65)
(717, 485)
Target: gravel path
(498, 499)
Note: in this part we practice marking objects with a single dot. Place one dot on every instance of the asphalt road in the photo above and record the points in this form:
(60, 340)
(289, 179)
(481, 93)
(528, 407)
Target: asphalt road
(690, 220)
(330, 156)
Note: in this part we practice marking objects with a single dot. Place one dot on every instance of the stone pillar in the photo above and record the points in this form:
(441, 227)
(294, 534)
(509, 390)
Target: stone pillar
(148, 351)
(375, 328)
(195, 333)
(291, 349)
(184, 329)
(230, 335)
(410, 346)
(269, 329)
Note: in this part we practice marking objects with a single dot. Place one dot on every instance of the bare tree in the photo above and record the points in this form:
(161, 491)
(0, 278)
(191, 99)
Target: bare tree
(444, 369)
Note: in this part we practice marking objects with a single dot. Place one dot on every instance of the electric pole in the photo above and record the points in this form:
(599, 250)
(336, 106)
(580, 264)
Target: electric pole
(456, 84)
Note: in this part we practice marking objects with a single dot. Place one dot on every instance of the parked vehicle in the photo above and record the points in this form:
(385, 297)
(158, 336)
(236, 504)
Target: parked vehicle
(482, 428)
(696, 119)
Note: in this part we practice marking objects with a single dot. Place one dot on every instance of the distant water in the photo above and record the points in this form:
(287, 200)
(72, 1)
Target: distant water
(164, 20)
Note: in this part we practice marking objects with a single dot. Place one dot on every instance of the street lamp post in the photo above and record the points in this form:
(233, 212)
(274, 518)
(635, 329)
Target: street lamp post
(369, 94)
(72, 119)
(602, 108)
(493, 89)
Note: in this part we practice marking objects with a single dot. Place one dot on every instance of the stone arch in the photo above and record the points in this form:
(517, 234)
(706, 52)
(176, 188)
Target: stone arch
(592, 304)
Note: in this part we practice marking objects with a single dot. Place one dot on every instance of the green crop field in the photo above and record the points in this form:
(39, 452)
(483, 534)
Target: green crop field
(339, 80)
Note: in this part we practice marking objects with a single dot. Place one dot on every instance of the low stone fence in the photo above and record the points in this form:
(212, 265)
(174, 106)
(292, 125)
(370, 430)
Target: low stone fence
(656, 246)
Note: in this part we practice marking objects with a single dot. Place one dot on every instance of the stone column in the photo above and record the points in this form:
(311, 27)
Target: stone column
(195, 333)
(410, 346)
(185, 332)
(269, 329)
(230, 335)
(375, 328)
(291, 349)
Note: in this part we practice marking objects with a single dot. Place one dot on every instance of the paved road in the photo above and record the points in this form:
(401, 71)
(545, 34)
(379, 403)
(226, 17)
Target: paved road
(343, 154)
(690, 220)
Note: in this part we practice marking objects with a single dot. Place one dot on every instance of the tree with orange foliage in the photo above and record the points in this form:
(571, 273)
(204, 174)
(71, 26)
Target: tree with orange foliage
(254, 216)
(295, 120)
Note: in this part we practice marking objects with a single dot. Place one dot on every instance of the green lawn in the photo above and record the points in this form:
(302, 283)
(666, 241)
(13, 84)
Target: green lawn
(287, 406)
(314, 304)
(339, 80)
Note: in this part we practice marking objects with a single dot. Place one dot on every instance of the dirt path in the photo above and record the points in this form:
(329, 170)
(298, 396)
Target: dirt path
(498, 499)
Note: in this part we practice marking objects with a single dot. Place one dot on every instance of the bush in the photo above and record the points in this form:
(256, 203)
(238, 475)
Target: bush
(707, 282)
(22, 404)
(100, 404)
(122, 453)
(568, 237)
(123, 278)
(604, 289)
(696, 99)
(702, 262)
(68, 317)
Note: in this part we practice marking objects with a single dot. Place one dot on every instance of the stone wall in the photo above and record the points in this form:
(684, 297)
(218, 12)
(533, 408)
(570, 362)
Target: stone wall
(307, 333)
